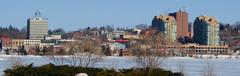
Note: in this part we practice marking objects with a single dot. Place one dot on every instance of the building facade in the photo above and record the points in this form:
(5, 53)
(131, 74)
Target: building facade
(192, 49)
(6, 41)
(37, 27)
(199, 49)
(53, 37)
(206, 31)
(16, 43)
(166, 25)
(181, 18)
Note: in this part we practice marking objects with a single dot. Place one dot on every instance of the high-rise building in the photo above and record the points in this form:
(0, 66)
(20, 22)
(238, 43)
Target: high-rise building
(37, 27)
(206, 31)
(181, 18)
(166, 25)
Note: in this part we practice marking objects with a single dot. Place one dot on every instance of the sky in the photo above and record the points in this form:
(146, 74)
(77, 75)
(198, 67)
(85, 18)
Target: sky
(74, 14)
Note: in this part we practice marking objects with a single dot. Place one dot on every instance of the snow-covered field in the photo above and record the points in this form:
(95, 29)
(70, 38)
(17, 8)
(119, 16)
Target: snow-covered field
(223, 66)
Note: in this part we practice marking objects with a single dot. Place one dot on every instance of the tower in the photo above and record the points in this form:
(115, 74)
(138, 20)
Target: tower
(181, 18)
(165, 24)
(37, 27)
(206, 31)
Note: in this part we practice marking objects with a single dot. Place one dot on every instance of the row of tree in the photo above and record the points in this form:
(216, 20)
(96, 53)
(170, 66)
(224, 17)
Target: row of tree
(13, 32)
(16, 33)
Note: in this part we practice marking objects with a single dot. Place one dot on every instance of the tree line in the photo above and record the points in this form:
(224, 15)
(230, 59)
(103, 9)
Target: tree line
(13, 32)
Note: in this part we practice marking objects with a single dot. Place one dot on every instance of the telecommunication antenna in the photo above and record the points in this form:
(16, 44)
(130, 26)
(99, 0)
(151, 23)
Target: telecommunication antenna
(183, 8)
(37, 13)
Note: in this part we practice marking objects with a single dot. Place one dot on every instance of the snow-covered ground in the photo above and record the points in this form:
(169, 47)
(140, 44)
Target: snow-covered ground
(223, 66)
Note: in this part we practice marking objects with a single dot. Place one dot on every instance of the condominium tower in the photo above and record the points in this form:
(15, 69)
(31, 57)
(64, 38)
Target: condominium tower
(206, 31)
(165, 24)
(37, 27)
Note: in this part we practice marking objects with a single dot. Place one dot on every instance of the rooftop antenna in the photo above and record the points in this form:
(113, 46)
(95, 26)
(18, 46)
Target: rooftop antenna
(180, 9)
(37, 13)
(183, 9)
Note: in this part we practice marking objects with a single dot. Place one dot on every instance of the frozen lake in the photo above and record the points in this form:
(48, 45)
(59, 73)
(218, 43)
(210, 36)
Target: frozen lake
(190, 66)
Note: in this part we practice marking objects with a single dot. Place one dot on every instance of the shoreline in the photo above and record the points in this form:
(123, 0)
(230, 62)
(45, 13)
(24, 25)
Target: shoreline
(170, 57)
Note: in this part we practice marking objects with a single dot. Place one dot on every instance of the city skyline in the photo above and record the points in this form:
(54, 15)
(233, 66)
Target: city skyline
(78, 14)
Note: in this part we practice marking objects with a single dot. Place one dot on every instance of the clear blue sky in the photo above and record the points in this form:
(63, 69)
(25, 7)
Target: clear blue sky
(74, 14)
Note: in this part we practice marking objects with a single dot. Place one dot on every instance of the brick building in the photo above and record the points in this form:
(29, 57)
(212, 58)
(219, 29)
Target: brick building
(181, 18)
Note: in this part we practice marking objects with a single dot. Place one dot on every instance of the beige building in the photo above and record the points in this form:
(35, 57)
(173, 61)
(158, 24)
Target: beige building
(53, 37)
(37, 27)
(199, 49)
(167, 25)
(131, 37)
(15, 43)
(192, 49)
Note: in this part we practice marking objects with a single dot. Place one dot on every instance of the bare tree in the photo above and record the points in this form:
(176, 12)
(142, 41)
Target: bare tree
(147, 51)
(16, 61)
(181, 67)
(83, 52)
(57, 59)
(149, 59)
(208, 69)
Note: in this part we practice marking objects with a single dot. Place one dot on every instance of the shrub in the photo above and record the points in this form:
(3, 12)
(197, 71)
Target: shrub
(65, 70)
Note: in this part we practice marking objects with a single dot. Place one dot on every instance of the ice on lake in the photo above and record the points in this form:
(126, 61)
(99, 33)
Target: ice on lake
(190, 66)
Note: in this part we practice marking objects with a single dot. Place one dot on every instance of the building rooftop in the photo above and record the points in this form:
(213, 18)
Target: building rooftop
(48, 41)
(165, 18)
(37, 16)
(208, 19)
(57, 33)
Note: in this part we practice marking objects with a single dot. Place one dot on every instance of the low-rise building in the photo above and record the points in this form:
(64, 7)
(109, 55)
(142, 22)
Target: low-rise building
(193, 49)
(131, 37)
(47, 43)
(201, 49)
(15, 43)
(53, 37)
(6, 41)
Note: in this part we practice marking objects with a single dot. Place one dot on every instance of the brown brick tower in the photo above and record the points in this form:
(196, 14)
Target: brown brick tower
(181, 18)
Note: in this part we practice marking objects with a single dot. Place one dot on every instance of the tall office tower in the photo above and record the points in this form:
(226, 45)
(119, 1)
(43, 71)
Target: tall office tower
(206, 31)
(37, 27)
(181, 18)
(166, 25)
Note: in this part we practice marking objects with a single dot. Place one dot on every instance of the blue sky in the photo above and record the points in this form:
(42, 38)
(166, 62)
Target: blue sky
(74, 14)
